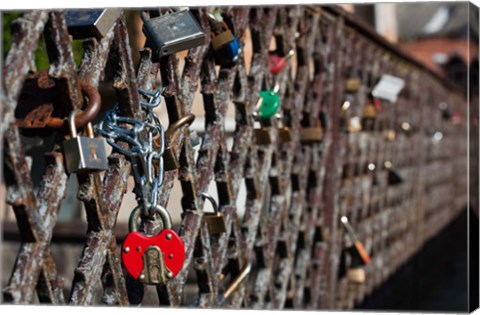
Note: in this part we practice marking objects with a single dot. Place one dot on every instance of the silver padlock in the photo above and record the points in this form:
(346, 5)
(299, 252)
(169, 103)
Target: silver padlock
(84, 154)
(91, 23)
(174, 32)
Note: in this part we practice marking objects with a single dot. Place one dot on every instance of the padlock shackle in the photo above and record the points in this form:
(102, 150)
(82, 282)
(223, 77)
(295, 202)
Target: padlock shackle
(185, 120)
(135, 215)
(71, 123)
(212, 201)
(85, 116)
(237, 281)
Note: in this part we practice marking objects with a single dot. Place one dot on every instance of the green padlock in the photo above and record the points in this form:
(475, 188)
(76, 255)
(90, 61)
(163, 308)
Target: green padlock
(269, 103)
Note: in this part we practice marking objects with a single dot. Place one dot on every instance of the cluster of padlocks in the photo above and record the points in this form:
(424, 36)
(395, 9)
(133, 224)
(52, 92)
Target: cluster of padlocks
(156, 259)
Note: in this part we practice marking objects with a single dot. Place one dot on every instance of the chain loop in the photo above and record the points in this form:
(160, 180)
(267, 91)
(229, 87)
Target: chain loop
(139, 135)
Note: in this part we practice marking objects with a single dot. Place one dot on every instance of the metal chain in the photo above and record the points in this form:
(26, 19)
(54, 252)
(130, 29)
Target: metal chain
(139, 136)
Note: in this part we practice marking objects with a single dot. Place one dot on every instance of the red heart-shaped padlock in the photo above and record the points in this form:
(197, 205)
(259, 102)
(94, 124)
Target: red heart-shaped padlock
(169, 243)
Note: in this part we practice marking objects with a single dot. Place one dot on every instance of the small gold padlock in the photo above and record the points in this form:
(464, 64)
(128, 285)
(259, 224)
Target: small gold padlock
(354, 124)
(262, 136)
(215, 221)
(369, 113)
(309, 135)
(170, 161)
(284, 133)
(352, 85)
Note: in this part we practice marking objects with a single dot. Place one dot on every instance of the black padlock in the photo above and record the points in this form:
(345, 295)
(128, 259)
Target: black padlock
(394, 177)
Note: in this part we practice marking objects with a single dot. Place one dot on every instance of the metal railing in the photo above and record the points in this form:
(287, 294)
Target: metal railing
(289, 244)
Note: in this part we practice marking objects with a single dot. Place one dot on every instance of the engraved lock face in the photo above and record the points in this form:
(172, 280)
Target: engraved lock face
(91, 23)
(153, 259)
(84, 154)
(171, 33)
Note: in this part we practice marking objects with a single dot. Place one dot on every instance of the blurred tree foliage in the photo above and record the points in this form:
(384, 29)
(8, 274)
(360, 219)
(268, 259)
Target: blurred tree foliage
(41, 57)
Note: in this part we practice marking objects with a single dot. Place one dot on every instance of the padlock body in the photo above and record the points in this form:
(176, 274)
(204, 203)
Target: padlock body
(215, 223)
(284, 134)
(84, 154)
(225, 49)
(352, 85)
(169, 243)
(91, 23)
(262, 136)
(171, 33)
(310, 135)
(170, 161)
(222, 40)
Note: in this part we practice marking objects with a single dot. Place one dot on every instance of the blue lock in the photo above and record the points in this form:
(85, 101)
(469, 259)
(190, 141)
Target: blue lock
(224, 43)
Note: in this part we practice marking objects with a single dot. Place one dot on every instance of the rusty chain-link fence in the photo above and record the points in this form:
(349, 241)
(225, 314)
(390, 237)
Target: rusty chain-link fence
(289, 230)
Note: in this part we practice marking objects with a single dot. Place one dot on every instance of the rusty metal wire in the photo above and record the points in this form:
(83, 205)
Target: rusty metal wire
(290, 233)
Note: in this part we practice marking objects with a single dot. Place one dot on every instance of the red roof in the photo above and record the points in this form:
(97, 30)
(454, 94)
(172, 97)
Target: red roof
(425, 49)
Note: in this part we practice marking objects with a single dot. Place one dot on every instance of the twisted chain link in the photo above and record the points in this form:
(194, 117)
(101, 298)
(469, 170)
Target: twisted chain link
(139, 135)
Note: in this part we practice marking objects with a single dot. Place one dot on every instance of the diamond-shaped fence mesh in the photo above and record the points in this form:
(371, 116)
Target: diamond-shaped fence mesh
(281, 202)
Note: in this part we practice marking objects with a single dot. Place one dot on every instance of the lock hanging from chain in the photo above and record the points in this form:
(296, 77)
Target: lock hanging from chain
(155, 259)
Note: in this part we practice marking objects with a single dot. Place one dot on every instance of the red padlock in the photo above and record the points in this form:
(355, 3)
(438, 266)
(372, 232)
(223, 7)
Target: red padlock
(277, 63)
(153, 259)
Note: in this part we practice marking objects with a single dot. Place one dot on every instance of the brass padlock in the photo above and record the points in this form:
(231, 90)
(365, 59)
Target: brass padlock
(310, 135)
(224, 43)
(352, 85)
(390, 135)
(91, 23)
(262, 136)
(173, 32)
(354, 124)
(170, 161)
(369, 113)
(215, 221)
(221, 40)
(84, 154)
(284, 133)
